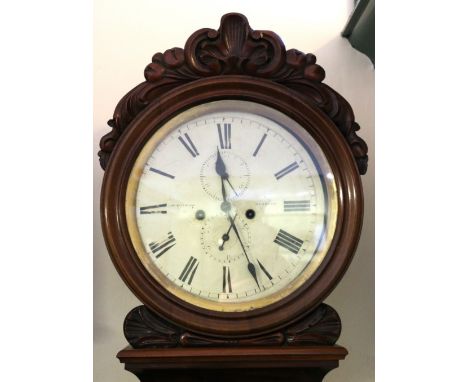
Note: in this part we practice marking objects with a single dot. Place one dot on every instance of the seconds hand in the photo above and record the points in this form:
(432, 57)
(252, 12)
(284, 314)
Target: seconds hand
(226, 206)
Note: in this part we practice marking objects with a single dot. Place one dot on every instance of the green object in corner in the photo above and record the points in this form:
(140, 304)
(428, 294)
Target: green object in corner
(360, 28)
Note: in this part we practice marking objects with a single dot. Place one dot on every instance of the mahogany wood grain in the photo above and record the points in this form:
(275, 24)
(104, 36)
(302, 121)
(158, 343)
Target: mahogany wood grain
(183, 342)
(235, 49)
(234, 62)
(305, 298)
(255, 364)
(143, 328)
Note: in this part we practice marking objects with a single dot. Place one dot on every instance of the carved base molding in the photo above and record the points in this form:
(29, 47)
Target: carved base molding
(145, 329)
(233, 364)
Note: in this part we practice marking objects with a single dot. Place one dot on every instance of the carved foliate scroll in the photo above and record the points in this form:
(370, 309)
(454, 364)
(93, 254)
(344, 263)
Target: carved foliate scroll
(236, 49)
(143, 328)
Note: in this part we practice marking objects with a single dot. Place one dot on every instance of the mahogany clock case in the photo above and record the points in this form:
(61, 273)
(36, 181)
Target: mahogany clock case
(275, 315)
(318, 109)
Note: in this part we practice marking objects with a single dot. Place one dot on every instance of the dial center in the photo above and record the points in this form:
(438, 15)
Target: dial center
(226, 206)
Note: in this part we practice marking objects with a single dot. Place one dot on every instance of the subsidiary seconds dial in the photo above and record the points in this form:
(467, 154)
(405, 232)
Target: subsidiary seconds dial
(230, 206)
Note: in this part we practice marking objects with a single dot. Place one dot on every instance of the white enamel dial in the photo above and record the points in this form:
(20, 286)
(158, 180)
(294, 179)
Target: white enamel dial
(231, 206)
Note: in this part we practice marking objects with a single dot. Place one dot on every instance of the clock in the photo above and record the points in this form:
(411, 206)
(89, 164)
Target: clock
(231, 206)
(232, 201)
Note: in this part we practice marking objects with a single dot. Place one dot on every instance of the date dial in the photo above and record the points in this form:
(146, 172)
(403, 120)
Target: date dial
(219, 241)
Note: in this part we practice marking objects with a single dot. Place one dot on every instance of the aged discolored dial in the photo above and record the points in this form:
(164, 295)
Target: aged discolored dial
(231, 206)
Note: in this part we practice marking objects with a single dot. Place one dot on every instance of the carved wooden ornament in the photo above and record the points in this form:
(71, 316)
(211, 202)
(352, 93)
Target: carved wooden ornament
(143, 328)
(236, 49)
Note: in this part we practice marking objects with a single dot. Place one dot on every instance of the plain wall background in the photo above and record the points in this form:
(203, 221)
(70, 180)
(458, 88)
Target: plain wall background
(126, 35)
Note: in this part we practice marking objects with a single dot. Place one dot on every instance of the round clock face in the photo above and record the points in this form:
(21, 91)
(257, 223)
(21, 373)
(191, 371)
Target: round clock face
(231, 206)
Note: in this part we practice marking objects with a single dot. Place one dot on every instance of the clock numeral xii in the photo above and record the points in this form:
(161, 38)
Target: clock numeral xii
(224, 135)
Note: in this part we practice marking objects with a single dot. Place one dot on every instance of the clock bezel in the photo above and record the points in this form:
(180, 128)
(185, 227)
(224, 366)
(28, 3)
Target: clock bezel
(260, 299)
(293, 306)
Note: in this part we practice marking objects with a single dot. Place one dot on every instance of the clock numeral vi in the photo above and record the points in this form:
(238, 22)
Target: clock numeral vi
(227, 288)
(288, 241)
(189, 270)
(224, 135)
(162, 247)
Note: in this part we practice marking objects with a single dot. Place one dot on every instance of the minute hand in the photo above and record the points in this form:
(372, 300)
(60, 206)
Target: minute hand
(221, 171)
(250, 265)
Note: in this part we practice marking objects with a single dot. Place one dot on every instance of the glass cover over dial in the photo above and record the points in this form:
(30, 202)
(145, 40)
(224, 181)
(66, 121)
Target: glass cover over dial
(231, 206)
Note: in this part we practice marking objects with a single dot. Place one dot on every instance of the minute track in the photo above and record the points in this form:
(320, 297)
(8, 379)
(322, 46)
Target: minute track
(231, 183)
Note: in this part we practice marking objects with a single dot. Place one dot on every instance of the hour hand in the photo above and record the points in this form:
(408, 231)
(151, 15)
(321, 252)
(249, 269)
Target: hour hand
(220, 166)
(221, 170)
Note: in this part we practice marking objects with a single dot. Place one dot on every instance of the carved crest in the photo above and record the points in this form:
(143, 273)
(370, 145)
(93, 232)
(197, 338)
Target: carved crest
(236, 49)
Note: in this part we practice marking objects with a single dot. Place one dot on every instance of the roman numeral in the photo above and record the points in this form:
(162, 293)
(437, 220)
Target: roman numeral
(153, 209)
(286, 170)
(288, 241)
(259, 145)
(224, 138)
(189, 145)
(227, 288)
(162, 247)
(264, 270)
(162, 173)
(296, 205)
(189, 270)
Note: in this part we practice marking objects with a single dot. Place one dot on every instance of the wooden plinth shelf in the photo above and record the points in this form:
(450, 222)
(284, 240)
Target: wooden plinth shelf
(301, 363)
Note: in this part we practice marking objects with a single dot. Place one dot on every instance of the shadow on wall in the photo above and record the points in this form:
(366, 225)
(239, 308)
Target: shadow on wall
(360, 28)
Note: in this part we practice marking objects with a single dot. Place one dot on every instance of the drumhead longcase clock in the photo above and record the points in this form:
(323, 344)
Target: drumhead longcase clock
(232, 201)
